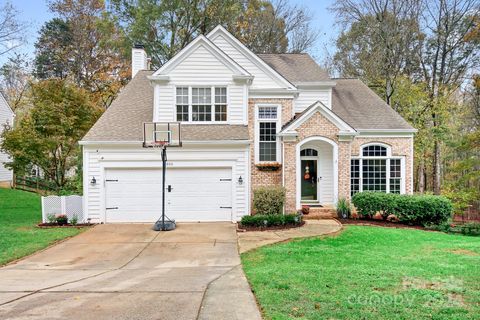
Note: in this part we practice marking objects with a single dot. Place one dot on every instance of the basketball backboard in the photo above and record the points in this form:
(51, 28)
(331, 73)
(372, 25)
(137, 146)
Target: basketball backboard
(159, 134)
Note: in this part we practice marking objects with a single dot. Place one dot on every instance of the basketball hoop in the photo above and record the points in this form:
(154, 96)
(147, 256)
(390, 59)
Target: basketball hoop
(162, 135)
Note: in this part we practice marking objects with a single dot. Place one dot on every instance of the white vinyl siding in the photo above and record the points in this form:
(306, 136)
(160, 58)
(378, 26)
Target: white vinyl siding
(307, 97)
(261, 80)
(200, 69)
(98, 159)
(6, 115)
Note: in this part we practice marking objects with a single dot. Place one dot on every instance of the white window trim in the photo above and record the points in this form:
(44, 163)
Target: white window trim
(190, 108)
(389, 148)
(387, 164)
(257, 131)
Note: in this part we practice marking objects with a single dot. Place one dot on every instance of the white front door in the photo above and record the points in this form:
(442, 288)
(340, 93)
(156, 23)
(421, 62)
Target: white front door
(195, 194)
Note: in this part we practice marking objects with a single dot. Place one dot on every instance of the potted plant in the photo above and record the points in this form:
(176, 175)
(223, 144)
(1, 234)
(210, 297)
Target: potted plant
(61, 219)
(344, 208)
(268, 166)
(305, 209)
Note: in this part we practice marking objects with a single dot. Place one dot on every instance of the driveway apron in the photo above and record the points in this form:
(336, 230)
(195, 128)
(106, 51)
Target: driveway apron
(128, 271)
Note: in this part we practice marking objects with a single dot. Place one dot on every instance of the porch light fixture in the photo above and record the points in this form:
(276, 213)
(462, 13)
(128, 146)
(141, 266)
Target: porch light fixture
(240, 180)
(93, 181)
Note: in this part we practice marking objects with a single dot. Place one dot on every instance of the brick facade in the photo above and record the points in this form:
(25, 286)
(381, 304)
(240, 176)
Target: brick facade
(318, 126)
(260, 178)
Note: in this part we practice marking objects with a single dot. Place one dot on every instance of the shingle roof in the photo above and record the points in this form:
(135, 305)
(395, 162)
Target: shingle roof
(362, 108)
(296, 67)
(123, 120)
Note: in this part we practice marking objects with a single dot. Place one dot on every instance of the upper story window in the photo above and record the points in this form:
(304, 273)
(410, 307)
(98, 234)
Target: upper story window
(182, 104)
(376, 170)
(268, 126)
(201, 104)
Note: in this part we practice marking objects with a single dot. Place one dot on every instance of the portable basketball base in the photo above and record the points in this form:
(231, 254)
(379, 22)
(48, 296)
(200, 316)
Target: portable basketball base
(161, 135)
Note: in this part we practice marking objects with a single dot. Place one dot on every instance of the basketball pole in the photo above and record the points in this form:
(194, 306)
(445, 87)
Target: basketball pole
(164, 171)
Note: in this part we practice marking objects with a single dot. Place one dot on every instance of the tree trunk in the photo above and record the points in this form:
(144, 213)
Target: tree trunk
(436, 167)
(421, 176)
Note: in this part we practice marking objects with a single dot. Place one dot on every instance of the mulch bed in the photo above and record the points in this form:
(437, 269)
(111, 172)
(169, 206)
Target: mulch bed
(241, 228)
(54, 225)
(380, 223)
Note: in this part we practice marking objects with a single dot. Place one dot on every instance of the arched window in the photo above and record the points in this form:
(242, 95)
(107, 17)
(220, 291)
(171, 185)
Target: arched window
(374, 150)
(309, 153)
(376, 170)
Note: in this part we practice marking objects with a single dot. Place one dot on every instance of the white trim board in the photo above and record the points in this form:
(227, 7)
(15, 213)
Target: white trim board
(201, 40)
(277, 77)
(326, 112)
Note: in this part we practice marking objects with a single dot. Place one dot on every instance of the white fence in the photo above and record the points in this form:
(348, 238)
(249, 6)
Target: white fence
(69, 205)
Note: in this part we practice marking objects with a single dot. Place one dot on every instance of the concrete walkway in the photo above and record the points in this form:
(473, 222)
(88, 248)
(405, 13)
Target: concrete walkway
(254, 239)
(132, 272)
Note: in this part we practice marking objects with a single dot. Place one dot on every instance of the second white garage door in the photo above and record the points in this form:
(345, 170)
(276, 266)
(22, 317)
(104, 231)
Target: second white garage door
(196, 194)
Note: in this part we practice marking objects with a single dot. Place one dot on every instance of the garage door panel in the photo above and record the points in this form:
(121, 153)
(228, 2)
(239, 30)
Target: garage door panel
(197, 194)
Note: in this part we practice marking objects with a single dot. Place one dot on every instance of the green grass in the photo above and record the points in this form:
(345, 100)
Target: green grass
(368, 273)
(20, 211)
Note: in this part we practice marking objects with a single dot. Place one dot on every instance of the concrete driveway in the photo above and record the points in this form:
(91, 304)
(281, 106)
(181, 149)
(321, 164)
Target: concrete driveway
(132, 272)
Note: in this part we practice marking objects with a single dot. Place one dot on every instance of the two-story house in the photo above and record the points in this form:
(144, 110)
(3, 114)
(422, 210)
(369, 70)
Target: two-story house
(247, 120)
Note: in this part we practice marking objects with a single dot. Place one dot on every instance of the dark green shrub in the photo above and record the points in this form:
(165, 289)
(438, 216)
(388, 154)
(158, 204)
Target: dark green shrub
(344, 209)
(264, 220)
(469, 228)
(414, 209)
(268, 200)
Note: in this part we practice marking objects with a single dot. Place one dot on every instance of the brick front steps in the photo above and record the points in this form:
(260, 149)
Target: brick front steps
(317, 213)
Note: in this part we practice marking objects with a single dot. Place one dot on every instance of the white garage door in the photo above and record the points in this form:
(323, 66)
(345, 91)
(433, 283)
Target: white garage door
(196, 194)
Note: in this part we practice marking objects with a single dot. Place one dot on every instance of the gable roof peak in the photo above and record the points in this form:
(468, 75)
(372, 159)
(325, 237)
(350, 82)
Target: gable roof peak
(195, 43)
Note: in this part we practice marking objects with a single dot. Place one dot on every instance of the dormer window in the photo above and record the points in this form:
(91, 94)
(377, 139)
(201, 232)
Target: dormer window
(201, 104)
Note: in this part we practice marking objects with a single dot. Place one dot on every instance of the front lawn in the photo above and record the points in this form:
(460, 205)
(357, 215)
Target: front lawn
(368, 273)
(20, 211)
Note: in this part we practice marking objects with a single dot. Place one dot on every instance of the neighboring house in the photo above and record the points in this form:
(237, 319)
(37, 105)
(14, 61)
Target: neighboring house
(247, 121)
(6, 118)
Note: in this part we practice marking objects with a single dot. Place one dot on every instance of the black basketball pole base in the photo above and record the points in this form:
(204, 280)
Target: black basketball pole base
(164, 223)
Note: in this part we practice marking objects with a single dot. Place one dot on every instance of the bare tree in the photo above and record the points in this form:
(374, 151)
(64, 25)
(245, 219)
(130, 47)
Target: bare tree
(297, 26)
(14, 81)
(386, 30)
(12, 31)
(446, 57)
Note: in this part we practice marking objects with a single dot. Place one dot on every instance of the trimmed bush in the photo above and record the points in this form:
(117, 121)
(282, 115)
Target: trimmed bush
(268, 200)
(270, 220)
(413, 209)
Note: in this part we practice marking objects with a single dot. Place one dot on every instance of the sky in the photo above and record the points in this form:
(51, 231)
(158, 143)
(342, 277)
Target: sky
(35, 13)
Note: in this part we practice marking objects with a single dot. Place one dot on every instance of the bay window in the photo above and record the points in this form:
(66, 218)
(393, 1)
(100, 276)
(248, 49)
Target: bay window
(376, 170)
(201, 104)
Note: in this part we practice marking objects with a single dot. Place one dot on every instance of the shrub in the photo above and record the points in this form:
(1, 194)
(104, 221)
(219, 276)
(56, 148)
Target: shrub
(344, 208)
(268, 200)
(74, 220)
(61, 219)
(414, 209)
(469, 228)
(270, 220)
(51, 218)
